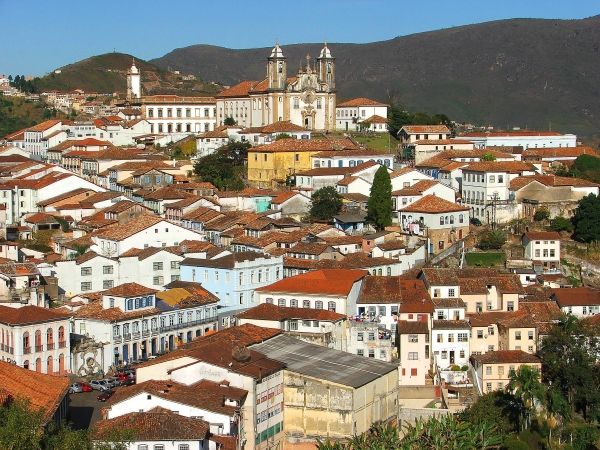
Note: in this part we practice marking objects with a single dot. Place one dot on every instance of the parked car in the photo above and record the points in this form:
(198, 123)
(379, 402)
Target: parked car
(98, 385)
(75, 388)
(112, 382)
(104, 396)
(86, 387)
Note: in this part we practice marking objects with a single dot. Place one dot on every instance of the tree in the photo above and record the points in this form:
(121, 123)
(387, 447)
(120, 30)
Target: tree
(20, 426)
(561, 224)
(588, 167)
(326, 203)
(488, 156)
(379, 206)
(229, 121)
(225, 167)
(492, 240)
(525, 385)
(569, 357)
(498, 407)
(586, 219)
(541, 214)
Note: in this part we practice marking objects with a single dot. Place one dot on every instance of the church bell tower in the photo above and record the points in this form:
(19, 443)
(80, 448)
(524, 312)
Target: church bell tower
(277, 69)
(326, 68)
(134, 85)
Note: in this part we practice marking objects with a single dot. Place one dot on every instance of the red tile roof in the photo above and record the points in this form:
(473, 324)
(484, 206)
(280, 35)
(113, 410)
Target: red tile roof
(542, 235)
(266, 311)
(582, 296)
(305, 145)
(559, 152)
(549, 181)
(412, 327)
(432, 204)
(325, 281)
(239, 90)
(29, 314)
(375, 119)
(129, 290)
(134, 226)
(419, 129)
(41, 391)
(506, 357)
(361, 101)
(500, 166)
(509, 133)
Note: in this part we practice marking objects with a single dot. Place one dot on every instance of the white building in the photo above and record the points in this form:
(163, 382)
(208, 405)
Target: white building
(450, 343)
(134, 85)
(142, 232)
(179, 116)
(486, 188)
(525, 139)
(543, 247)
(359, 113)
(306, 99)
(39, 138)
(35, 338)
(580, 302)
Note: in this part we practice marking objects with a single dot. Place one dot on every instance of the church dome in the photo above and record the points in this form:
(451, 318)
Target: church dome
(325, 53)
(276, 52)
(133, 68)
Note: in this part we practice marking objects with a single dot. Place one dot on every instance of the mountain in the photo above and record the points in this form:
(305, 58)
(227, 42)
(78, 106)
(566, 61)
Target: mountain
(107, 74)
(522, 72)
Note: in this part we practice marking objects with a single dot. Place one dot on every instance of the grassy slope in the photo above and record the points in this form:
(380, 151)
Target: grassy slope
(485, 259)
(17, 113)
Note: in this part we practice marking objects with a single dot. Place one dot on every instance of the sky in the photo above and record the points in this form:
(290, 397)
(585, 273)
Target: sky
(42, 35)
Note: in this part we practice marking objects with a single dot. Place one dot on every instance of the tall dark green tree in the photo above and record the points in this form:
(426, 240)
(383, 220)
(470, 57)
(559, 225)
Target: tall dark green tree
(225, 167)
(379, 207)
(587, 219)
(326, 203)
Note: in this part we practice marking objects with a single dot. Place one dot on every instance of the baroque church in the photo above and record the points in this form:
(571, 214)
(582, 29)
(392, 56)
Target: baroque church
(306, 99)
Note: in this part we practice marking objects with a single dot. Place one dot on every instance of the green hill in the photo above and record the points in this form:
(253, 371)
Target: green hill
(523, 72)
(17, 113)
(107, 74)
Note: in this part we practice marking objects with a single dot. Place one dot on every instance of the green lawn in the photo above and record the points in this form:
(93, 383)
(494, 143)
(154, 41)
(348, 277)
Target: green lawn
(485, 259)
(377, 141)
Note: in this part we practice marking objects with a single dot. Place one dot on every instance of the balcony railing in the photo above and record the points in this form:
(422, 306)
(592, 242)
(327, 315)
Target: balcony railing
(39, 348)
(50, 346)
(127, 337)
(27, 350)
(62, 344)
(7, 349)
(179, 326)
(135, 335)
(145, 333)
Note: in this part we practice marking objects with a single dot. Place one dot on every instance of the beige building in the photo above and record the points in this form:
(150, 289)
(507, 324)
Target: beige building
(502, 331)
(330, 394)
(413, 351)
(493, 369)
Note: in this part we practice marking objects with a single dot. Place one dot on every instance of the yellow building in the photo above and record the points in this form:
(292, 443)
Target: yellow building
(493, 369)
(270, 165)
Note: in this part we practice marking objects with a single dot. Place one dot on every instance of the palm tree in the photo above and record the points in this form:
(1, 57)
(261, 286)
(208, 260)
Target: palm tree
(525, 385)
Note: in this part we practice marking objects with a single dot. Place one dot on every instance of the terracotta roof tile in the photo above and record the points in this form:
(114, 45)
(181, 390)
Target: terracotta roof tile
(418, 129)
(129, 290)
(582, 296)
(29, 314)
(360, 101)
(412, 327)
(305, 145)
(432, 204)
(266, 311)
(326, 282)
(506, 357)
(542, 235)
(500, 166)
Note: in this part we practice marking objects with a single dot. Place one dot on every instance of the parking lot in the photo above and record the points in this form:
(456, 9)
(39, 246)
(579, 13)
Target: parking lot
(84, 409)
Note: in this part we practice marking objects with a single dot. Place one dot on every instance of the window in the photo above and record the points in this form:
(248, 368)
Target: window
(293, 303)
(142, 447)
(184, 447)
(157, 266)
(518, 335)
(107, 270)
(371, 353)
(413, 338)
(462, 354)
(86, 271)
(479, 334)
(451, 292)
(107, 284)
(436, 293)
(530, 335)
(491, 331)
(500, 371)
(371, 336)
(360, 352)
(175, 265)
(360, 337)
(281, 302)
(86, 286)
(306, 303)
(413, 356)
(439, 338)
(331, 306)
(444, 354)
(158, 280)
(488, 387)
(450, 337)
(318, 304)
(488, 370)
(293, 324)
(463, 337)
(159, 447)
(510, 306)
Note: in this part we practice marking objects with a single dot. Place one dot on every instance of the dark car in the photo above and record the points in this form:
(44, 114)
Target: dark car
(104, 396)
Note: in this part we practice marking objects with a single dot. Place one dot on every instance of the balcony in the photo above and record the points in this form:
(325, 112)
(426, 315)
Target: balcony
(50, 346)
(62, 344)
(179, 326)
(127, 337)
(145, 333)
(39, 348)
(27, 350)
(136, 335)
(117, 339)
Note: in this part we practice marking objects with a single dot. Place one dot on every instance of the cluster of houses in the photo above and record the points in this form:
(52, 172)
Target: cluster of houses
(249, 326)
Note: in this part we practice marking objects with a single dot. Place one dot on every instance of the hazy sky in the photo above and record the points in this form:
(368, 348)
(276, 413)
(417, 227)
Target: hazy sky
(41, 35)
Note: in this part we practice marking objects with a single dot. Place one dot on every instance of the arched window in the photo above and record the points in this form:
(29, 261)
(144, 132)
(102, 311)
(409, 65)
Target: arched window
(129, 304)
(460, 218)
(451, 220)
(38, 365)
(61, 364)
(50, 338)
(306, 303)
(389, 271)
(380, 272)
(61, 336)
(318, 304)
(441, 220)
(331, 306)
(281, 302)
(26, 364)
(269, 301)
(293, 303)
(38, 341)
(49, 365)
(26, 343)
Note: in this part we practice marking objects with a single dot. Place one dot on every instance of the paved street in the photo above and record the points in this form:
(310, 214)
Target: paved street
(84, 409)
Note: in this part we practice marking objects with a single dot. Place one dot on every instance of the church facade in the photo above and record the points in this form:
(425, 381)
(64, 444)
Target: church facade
(307, 99)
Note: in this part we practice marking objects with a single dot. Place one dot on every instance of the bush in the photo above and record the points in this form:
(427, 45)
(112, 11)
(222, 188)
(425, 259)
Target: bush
(493, 239)
(561, 224)
(475, 221)
(541, 215)
(514, 443)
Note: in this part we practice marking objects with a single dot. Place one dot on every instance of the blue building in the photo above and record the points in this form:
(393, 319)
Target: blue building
(233, 278)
